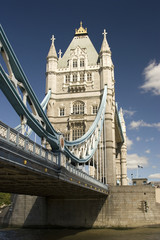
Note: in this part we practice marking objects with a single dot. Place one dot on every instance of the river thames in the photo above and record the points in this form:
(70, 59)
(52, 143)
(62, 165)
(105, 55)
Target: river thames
(81, 234)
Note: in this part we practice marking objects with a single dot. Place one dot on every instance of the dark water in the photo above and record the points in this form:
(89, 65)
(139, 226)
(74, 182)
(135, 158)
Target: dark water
(92, 234)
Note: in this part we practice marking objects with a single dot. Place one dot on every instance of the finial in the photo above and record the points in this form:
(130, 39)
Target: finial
(104, 33)
(60, 53)
(53, 39)
(81, 30)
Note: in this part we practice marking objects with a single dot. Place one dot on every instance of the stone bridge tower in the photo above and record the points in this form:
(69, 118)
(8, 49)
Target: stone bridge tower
(77, 81)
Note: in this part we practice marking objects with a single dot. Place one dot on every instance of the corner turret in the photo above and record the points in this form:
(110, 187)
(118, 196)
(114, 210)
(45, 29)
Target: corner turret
(51, 68)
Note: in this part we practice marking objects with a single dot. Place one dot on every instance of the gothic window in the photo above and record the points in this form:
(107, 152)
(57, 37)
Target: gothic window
(78, 108)
(94, 109)
(67, 136)
(82, 62)
(74, 63)
(89, 77)
(74, 78)
(67, 78)
(61, 111)
(82, 77)
(77, 132)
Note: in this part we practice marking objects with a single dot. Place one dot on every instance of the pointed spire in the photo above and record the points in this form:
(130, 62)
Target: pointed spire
(52, 50)
(105, 46)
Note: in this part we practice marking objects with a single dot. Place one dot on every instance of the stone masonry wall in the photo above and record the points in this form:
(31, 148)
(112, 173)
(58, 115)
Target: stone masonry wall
(125, 206)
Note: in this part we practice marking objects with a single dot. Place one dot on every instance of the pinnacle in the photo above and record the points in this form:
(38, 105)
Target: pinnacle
(52, 51)
(105, 46)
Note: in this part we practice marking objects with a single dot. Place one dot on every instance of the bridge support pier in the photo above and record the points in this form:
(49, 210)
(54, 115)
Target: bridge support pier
(124, 207)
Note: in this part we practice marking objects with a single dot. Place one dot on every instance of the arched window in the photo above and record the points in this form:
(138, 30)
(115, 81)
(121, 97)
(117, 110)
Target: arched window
(78, 107)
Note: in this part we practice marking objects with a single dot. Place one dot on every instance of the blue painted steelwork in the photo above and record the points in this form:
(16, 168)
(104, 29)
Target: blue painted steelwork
(21, 77)
(43, 105)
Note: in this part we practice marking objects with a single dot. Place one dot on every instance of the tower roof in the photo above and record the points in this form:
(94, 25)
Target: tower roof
(52, 50)
(83, 41)
(105, 46)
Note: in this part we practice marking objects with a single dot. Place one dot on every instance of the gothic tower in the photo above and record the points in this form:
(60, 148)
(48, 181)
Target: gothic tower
(77, 81)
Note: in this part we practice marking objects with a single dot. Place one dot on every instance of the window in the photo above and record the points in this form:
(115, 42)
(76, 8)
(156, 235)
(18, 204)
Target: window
(74, 78)
(67, 78)
(74, 63)
(61, 111)
(89, 77)
(78, 108)
(95, 109)
(66, 136)
(82, 77)
(81, 62)
(77, 133)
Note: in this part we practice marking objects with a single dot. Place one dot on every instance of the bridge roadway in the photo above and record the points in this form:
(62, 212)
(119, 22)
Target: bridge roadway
(28, 168)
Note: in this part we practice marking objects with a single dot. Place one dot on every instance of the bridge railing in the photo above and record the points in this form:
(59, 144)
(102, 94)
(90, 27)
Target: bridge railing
(17, 139)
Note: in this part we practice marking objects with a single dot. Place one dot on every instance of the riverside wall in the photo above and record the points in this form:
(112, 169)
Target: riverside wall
(125, 206)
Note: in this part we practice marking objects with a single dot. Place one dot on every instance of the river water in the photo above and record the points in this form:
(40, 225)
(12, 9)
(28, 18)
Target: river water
(82, 234)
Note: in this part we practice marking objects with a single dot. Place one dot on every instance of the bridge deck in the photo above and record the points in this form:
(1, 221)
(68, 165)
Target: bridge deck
(23, 172)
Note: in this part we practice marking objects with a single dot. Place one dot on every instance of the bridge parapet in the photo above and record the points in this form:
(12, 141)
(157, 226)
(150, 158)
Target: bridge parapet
(47, 162)
(12, 136)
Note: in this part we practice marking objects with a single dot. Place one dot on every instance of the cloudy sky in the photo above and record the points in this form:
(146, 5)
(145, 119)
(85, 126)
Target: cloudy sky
(134, 38)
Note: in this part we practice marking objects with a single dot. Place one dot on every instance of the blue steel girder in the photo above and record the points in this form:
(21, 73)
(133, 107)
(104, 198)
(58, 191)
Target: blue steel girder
(44, 129)
(21, 77)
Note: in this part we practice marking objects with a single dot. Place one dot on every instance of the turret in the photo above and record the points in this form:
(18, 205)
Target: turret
(106, 65)
(107, 77)
(123, 151)
(51, 68)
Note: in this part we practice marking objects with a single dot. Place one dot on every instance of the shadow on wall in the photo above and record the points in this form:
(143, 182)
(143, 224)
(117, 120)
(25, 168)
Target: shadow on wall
(6, 212)
(32, 211)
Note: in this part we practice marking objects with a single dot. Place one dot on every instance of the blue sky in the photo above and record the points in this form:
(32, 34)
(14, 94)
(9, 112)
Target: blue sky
(134, 39)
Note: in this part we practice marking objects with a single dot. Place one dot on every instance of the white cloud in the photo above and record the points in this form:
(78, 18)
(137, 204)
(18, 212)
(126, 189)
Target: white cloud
(141, 123)
(129, 143)
(133, 160)
(128, 113)
(138, 139)
(152, 78)
(155, 175)
(148, 151)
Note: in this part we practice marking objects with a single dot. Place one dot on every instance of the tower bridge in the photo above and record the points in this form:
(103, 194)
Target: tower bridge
(82, 156)
(82, 121)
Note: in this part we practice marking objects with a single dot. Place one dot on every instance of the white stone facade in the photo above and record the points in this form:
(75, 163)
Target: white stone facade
(77, 80)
